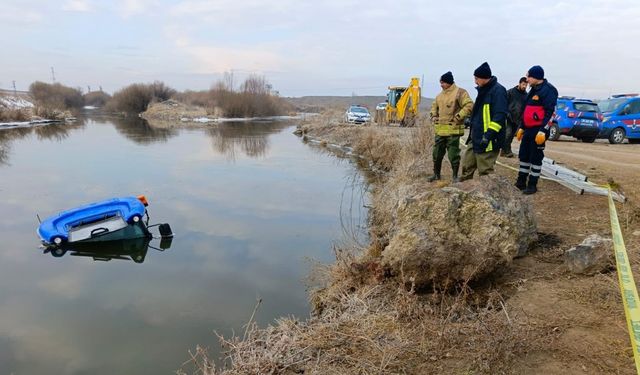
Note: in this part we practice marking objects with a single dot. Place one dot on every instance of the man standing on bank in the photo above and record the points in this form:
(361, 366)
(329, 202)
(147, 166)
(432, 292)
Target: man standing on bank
(448, 112)
(516, 97)
(487, 124)
(534, 131)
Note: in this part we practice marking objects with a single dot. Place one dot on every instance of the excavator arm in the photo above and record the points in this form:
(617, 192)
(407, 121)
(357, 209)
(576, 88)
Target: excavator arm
(410, 100)
(404, 109)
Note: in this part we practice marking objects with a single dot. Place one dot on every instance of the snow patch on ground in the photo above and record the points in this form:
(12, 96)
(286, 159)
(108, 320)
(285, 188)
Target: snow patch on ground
(198, 119)
(14, 102)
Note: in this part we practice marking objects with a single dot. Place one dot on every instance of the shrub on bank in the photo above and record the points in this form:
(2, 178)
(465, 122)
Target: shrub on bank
(254, 99)
(196, 98)
(136, 98)
(96, 98)
(56, 96)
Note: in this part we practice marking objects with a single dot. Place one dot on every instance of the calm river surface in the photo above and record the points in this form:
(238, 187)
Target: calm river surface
(249, 204)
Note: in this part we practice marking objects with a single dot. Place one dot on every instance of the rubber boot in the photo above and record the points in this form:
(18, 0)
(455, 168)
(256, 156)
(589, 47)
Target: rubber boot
(531, 187)
(437, 166)
(521, 183)
(454, 173)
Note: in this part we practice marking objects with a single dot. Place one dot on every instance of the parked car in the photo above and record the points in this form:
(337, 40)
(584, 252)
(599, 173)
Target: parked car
(579, 118)
(621, 118)
(381, 106)
(357, 114)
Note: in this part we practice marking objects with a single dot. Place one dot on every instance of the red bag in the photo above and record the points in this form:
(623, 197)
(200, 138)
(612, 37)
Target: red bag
(533, 116)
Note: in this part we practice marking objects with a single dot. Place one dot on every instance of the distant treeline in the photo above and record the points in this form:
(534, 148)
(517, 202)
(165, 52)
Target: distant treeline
(252, 98)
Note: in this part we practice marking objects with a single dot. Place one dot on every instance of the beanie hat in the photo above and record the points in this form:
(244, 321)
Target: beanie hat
(483, 71)
(447, 78)
(536, 72)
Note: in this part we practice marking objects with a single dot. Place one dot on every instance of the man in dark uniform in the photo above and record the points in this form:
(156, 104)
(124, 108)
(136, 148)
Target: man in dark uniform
(534, 131)
(487, 124)
(516, 96)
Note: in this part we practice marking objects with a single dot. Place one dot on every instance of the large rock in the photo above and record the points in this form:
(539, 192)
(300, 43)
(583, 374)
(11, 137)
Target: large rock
(460, 232)
(593, 255)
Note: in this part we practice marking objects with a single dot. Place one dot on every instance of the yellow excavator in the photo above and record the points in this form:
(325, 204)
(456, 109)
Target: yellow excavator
(402, 104)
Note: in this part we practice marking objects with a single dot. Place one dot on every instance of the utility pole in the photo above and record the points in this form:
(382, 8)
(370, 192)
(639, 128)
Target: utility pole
(15, 92)
(88, 89)
(53, 75)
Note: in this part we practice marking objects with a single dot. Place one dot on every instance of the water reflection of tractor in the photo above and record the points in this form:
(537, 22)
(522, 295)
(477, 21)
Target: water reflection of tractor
(402, 104)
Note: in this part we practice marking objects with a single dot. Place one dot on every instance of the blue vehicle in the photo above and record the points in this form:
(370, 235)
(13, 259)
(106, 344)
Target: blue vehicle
(621, 118)
(579, 118)
(99, 221)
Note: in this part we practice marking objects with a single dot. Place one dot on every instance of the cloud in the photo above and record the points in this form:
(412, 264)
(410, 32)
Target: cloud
(129, 8)
(77, 6)
(339, 47)
(207, 58)
(16, 14)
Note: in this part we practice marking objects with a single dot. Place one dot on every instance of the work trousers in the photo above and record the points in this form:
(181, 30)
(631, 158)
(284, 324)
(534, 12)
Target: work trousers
(449, 145)
(530, 155)
(509, 132)
(483, 162)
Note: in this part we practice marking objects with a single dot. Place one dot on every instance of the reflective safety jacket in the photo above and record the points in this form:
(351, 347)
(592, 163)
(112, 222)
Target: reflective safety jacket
(488, 117)
(450, 108)
(539, 106)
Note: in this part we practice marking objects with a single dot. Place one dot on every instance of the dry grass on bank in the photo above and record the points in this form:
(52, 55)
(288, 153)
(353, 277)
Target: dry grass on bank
(366, 327)
(366, 323)
(17, 114)
(387, 149)
(533, 317)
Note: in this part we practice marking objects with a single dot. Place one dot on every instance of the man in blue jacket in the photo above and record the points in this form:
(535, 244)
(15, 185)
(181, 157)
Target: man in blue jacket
(487, 124)
(534, 129)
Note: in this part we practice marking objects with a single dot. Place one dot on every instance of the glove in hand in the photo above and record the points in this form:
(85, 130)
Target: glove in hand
(540, 137)
(519, 134)
(484, 142)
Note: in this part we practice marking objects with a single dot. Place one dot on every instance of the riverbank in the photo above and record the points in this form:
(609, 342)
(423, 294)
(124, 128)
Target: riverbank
(172, 113)
(20, 111)
(526, 315)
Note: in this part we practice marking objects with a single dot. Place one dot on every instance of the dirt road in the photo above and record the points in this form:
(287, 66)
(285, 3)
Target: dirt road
(601, 161)
(586, 311)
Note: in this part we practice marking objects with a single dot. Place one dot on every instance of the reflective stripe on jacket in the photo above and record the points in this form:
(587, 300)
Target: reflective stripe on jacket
(488, 116)
(450, 108)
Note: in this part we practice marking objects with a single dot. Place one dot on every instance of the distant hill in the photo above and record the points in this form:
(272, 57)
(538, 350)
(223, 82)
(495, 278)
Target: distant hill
(318, 103)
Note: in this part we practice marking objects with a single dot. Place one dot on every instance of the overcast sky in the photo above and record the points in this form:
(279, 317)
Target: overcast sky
(336, 47)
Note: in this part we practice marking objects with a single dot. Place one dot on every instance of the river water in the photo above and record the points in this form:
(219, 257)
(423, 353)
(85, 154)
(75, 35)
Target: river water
(249, 203)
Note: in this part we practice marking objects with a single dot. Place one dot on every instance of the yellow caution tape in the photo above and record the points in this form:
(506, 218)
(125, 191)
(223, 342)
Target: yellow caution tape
(627, 284)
